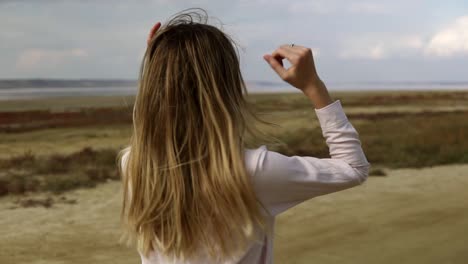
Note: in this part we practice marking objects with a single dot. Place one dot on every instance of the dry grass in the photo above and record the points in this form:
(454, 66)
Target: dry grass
(24, 121)
(393, 138)
(57, 173)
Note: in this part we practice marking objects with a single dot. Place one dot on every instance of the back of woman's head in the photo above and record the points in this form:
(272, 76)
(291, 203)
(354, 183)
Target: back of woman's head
(185, 182)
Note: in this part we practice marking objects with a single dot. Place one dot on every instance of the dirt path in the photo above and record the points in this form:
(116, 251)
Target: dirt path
(410, 216)
(85, 232)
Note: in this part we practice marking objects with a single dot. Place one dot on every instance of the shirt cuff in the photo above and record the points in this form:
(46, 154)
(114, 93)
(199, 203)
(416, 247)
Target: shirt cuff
(331, 115)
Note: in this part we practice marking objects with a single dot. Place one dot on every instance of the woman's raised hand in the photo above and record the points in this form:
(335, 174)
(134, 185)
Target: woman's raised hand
(302, 73)
(153, 31)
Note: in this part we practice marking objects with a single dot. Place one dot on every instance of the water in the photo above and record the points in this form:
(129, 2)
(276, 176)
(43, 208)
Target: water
(253, 87)
(34, 93)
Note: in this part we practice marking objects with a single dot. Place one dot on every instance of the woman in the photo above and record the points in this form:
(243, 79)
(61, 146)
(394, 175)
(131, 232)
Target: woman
(193, 192)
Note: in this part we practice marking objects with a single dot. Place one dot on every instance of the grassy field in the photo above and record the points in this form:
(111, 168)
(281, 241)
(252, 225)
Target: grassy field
(52, 151)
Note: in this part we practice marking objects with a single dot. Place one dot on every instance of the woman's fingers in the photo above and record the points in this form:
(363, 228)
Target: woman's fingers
(275, 65)
(302, 72)
(284, 53)
(153, 31)
(296, 49)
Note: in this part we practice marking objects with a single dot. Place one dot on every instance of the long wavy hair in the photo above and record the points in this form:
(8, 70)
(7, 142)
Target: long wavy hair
(185, 183)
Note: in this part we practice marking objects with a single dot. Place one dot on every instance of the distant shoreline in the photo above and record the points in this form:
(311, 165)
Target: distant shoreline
(37, 89)
(64, 83)
(255, 84)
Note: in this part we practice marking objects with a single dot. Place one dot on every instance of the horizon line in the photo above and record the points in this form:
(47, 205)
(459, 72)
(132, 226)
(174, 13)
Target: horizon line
(252, 80)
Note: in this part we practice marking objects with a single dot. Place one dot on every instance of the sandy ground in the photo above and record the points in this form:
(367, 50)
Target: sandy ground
(410, 216)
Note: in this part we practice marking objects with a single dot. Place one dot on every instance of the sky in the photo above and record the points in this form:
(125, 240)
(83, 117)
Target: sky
(398, 40)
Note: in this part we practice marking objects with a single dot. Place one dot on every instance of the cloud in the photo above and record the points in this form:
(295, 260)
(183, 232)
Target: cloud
(335, 6)
(39, 36)
(374, 52)
(448, 42)
(369, 8)
(317, 7)
(42, 58)
(451, 40)
(381, 46)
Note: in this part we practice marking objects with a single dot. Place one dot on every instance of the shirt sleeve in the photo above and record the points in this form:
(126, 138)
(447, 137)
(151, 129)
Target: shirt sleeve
(285, 181)
(123, 165)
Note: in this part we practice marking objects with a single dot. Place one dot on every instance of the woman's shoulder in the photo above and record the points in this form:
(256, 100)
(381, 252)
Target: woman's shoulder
(252, 158)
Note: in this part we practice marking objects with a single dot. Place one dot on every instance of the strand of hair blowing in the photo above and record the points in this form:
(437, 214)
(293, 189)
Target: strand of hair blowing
(185, 181)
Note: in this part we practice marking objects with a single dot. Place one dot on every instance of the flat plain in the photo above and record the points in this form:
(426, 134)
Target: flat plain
(412, 209)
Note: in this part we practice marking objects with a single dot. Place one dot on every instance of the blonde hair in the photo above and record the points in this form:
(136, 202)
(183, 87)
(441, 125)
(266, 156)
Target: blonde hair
(185, 184)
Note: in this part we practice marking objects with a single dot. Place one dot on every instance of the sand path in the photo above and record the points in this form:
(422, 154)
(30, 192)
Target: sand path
(410, 216)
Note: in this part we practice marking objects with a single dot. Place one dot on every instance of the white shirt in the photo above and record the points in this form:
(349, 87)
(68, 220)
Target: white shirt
(281, 182)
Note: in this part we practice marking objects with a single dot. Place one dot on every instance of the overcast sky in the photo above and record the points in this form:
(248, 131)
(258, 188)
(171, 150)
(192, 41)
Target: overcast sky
(398, 40)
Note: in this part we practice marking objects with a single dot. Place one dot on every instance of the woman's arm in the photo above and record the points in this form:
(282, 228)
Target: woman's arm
(282, 181)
